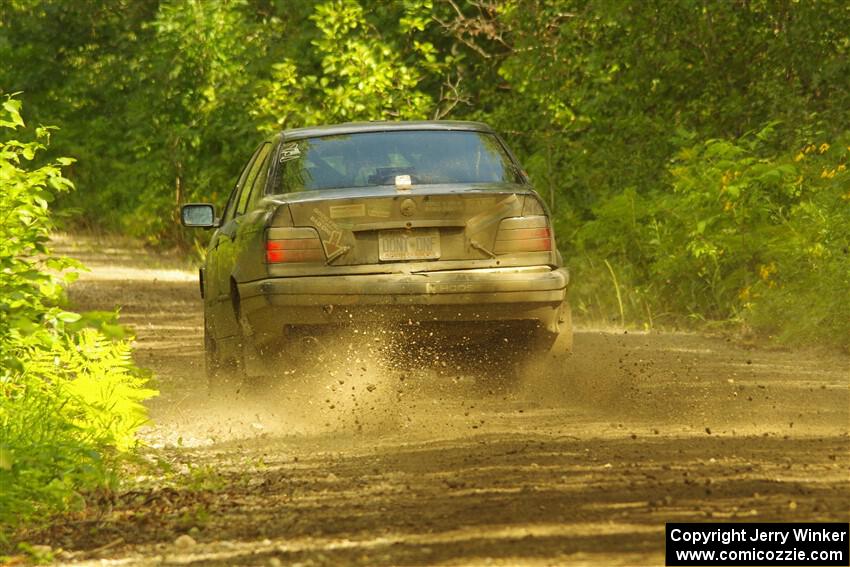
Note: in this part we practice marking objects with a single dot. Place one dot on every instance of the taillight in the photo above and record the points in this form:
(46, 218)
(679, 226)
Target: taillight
(524, 234)
(285, 245)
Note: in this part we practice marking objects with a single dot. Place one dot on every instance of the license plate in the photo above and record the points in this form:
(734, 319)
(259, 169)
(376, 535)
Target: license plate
(421, 244)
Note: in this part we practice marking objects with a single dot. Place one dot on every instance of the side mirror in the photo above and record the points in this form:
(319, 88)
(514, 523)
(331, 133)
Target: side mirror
(198, 215)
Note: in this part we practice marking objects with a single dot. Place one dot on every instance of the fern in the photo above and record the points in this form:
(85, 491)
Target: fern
(70, 395)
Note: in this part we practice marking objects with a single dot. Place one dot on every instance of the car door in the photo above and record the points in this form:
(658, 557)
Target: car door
(249, 242)
(219, 307)
(228, 245)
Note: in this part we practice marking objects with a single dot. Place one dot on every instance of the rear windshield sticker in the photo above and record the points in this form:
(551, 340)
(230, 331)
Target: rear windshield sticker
(289, 152)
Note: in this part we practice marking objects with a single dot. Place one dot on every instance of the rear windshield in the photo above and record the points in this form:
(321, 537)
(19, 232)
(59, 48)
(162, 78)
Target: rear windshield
(384, 158)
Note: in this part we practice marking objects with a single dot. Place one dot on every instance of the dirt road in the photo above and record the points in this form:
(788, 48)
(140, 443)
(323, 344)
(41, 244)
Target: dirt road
(359, 462)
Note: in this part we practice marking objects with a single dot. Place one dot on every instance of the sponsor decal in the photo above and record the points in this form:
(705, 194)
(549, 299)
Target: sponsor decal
(453, 206)
(289, 152)
(331, 235)
(509, 206)
(380, 210)
(450, 287)
(347, 211)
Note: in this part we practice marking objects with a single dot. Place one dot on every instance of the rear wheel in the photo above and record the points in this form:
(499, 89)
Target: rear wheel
(548, 349)
(223, 366)
(557, 339)
(211, 362)
(260, 364)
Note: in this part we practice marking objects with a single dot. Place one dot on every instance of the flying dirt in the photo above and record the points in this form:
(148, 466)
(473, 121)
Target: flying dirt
(364, 456)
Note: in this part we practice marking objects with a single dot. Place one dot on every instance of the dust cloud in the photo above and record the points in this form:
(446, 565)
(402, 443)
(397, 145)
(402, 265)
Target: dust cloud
(367, 381)
(387, 444)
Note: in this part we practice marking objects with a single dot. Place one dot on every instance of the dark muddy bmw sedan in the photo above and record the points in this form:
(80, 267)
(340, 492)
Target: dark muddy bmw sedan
(409, 225)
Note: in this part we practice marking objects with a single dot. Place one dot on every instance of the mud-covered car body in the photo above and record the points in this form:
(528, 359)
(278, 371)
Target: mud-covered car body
(400, 222)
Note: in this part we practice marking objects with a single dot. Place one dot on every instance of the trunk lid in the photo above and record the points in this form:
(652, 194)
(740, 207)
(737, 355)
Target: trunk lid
(380, 225)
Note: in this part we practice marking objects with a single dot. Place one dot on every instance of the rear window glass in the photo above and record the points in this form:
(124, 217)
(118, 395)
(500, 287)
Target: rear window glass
(376, 158)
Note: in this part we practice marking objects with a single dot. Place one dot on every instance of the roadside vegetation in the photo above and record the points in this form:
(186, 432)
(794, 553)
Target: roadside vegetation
(694, 153)
(70, 396)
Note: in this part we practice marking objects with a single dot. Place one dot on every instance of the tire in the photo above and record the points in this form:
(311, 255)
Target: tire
(557, 339)
(211, 362)
(563, 343)
(224, 376)
(549, 348)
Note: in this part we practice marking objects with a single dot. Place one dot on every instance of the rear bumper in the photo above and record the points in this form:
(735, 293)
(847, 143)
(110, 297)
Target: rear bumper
(533, 292)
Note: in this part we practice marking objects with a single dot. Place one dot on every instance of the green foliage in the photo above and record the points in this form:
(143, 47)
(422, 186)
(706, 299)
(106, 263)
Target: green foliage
(185, 132)
(742, 234)
(599, 90)
(162, 106)
(70, 397)
(363, 74)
